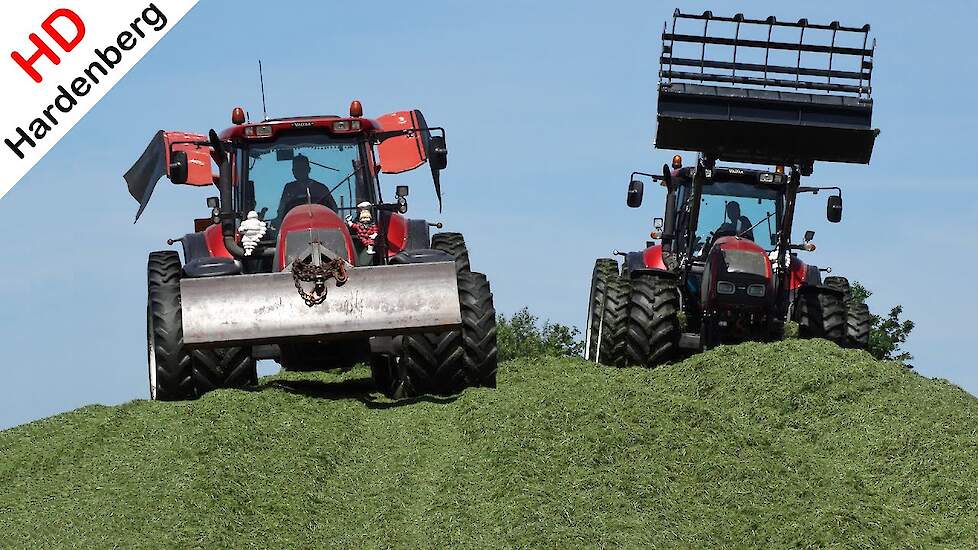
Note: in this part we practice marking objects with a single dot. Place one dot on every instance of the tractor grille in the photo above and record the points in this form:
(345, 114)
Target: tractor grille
(740, 261)
(297, 242)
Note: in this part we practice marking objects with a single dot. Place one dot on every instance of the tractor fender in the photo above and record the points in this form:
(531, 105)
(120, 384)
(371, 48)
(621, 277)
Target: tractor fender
(802, 274)
(215, 242)
(404, 233)
(649, 260)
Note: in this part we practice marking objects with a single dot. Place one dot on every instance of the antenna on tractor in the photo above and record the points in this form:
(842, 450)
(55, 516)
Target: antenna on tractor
(261, 79)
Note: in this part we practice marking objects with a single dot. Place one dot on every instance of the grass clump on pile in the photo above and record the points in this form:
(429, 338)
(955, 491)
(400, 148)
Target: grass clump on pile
(798, 443)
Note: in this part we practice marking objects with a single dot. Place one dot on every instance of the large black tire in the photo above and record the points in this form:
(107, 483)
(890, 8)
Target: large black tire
(181, 373)
(858, 317)
(454, 244)
(478, 330)
(858, 323)
(652, 329)
(604, 270)
(611, 331)
(821, 313)
(444, 363)
(170, 364)
(841, 284)
(214, 369)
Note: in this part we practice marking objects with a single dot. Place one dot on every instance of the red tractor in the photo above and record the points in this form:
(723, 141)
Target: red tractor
(726, 269)
(301, 260)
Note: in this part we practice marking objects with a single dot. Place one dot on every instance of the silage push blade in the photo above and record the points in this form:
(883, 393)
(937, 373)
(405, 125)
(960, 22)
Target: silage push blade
(266, 308)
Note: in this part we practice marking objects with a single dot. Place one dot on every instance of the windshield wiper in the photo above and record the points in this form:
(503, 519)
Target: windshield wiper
(751, 228)
(324, 166)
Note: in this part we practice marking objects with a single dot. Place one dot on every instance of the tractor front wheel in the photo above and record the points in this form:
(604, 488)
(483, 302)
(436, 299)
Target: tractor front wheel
(454, 244)
(214, 369)
(175, 372)
(478, 329)
(170, 364)
(858, 318)
(653, 332)
(447, 362)
(821, 313)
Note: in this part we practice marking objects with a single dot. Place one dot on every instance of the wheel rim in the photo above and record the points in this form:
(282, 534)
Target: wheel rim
(590, 323)
(151, 359)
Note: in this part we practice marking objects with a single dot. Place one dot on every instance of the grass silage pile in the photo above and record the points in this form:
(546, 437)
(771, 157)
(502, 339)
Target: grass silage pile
(795, 444)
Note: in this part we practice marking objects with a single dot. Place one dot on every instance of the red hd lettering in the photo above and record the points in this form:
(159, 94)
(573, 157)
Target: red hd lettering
(43, 49)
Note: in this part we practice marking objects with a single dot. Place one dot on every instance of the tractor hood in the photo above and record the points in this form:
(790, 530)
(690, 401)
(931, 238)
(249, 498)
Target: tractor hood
(737, 271)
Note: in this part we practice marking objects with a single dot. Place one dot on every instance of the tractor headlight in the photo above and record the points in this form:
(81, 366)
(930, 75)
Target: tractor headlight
(725, 287)
(756, 291)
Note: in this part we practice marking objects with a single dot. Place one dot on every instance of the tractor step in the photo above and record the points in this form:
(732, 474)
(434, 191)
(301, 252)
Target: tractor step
(266, 308)
(689, 340)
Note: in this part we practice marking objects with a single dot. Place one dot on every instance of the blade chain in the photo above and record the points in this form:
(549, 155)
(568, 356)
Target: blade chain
(317, 275)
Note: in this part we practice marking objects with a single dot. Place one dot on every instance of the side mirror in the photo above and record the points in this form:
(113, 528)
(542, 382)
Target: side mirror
(213, 202)
(177, 170)
(809, 235)
(635, 191)
(401, 191)
(657, 223)
(833, 209)
(437, 153)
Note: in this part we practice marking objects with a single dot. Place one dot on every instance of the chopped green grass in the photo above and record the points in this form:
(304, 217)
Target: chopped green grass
(795, 444)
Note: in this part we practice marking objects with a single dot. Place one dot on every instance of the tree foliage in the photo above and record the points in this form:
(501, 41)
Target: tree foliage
(888, 332)
(522, 335)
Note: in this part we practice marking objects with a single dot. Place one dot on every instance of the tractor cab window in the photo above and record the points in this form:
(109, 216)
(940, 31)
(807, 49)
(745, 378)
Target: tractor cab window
(733, 208)
(297, 170)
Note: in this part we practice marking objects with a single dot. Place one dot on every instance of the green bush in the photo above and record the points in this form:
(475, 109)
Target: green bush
(522, 335)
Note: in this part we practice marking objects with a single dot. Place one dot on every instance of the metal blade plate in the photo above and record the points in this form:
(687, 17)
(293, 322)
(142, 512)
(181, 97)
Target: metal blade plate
(265, 308)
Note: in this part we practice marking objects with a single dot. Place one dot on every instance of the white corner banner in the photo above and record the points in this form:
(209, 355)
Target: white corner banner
(59, 59)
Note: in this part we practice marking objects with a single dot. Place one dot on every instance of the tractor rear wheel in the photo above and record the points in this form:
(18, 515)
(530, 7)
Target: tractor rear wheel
(821, 314)
(170, 364)
(604, 270)
(652, 329)
(614, 322)
(454, 244)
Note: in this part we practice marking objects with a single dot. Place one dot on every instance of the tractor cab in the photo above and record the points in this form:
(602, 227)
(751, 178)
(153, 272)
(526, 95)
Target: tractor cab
(314, 176)
(733, 203)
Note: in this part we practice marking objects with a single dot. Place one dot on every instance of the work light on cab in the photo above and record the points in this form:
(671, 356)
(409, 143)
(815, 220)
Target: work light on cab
(356, 109)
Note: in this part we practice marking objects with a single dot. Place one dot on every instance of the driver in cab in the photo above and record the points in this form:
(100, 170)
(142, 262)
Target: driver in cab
(737, 224)
(303, 189)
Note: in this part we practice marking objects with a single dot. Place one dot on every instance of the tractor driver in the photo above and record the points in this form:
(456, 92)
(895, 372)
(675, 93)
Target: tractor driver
(303, 189)
(738, 224)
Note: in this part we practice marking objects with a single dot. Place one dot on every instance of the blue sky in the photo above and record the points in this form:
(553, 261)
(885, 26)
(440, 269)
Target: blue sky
(548, 107)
